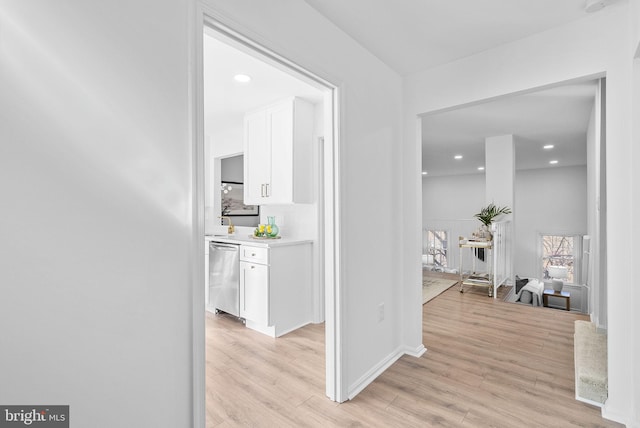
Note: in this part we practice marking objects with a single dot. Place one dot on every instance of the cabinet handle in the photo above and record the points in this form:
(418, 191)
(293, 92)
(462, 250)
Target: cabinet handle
(267, 187)
(253, 255)
(262, 190)
(253, 267)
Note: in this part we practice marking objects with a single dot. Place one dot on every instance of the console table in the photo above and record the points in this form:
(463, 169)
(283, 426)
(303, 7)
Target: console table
(477, 279)
(561, 294)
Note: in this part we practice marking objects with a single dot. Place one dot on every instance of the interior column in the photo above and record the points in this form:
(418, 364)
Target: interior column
(500, 174)
(500, 171)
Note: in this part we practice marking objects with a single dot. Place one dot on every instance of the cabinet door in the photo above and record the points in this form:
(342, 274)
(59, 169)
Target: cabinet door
(254, 292)
(257, 158)
(280, 126)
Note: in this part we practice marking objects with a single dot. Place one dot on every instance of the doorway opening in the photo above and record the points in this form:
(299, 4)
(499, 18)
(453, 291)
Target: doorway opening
(558, 179)
(316, 219)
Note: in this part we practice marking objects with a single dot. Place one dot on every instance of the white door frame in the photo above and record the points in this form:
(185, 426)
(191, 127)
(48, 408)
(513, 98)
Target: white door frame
(336, 386)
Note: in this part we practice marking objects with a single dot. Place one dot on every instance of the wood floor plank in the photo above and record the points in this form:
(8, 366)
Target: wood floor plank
(488, 364)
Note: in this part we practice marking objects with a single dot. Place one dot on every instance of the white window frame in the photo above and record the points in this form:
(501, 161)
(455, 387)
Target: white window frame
(427, 246)
(577, 255)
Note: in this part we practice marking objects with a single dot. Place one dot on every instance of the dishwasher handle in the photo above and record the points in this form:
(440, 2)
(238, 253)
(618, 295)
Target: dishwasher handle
(220, 246)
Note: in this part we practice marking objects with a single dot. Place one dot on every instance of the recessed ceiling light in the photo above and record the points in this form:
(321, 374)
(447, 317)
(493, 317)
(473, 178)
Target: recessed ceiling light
(480, 168)
(553, 162)
(424, 172)
(457, 157)
(548, 146)
(242, 78)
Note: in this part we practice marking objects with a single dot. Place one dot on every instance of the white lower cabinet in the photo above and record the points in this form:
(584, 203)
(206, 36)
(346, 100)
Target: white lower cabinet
(254, 292)
(275, 287)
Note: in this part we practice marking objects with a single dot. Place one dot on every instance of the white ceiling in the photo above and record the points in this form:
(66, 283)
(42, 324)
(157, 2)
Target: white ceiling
(413, 35)
(226, 101)
(440, 31)
(557, 116)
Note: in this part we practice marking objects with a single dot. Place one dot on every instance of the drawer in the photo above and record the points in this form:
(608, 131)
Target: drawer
(254, 254)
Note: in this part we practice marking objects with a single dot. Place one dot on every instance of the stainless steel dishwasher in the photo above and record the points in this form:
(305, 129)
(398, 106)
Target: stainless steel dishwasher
(224, 277)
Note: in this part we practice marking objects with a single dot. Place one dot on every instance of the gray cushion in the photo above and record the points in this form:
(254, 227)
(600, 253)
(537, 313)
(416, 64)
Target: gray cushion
(525, 296)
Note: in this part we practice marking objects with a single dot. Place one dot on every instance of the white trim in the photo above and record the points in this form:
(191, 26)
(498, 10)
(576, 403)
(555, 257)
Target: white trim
(586, 400)
(232, 33)
(335, 355)
(196, 115)
(417, 352)
(618, 417)
(319, 252)
(374, 372)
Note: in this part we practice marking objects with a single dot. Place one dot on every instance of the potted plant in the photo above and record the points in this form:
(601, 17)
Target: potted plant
(488, 213)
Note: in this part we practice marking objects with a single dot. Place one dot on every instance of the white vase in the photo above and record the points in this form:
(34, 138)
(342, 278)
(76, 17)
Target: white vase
(557, 285)
(485, 232)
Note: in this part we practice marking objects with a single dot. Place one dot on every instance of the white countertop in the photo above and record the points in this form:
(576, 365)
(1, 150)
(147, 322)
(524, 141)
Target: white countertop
(245, 239)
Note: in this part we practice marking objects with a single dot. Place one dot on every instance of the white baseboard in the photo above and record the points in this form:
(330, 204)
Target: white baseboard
(269, 331)
(372, 374)
(626, 420)
(376, 371)
(586, 400)
(416, 352)
(290, 329)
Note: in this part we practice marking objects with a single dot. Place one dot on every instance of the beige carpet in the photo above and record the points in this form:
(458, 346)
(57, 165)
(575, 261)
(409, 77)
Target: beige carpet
(590, 360)
(431, 287)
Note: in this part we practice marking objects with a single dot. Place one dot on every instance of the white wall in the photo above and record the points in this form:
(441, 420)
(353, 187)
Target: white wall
(227, 141)
(95, 176)
(452, 197)
(551, 201)
(598, 43)
(449, 203)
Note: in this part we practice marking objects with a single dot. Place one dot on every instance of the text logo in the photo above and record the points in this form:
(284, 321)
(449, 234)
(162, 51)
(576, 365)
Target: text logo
(34, 416)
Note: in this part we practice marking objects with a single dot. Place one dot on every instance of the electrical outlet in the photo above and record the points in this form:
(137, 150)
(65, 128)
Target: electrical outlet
(381, 312)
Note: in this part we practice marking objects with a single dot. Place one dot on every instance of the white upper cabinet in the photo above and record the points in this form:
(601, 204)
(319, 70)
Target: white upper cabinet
(278, 142)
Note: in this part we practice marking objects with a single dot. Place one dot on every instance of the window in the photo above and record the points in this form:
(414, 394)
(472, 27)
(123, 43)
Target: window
(436, 247)
(561, 250)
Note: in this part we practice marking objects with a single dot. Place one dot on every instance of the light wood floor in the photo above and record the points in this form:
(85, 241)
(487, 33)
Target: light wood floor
(489, 363)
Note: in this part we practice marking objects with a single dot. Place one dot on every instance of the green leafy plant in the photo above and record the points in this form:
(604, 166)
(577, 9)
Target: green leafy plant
(491, 211)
